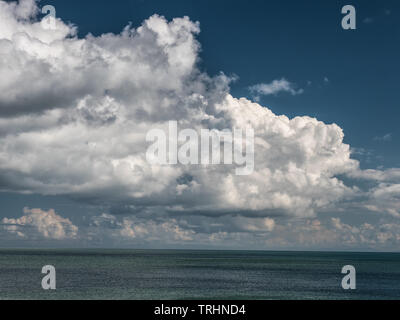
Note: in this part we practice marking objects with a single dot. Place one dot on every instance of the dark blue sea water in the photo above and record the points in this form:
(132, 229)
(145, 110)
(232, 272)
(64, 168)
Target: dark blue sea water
(167, 274)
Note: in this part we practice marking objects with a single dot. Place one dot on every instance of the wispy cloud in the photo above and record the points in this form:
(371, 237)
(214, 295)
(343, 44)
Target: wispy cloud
(387, 137)
(275, 87)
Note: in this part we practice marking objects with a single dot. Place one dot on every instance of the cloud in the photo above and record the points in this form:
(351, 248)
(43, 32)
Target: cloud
(166, 230)
(129, 228)
(37, 222)
(374, 236)
(385, 138)
(384, 196)
(74, 113)
(388, 175)
(275, 87)
(238, 232)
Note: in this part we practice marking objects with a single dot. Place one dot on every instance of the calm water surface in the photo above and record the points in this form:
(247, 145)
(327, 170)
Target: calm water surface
(168, 274)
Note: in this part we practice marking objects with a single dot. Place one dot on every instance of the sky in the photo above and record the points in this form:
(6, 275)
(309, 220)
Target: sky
(77, 101)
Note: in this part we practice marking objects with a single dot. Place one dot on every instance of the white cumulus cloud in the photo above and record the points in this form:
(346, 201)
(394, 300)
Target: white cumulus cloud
(47, 224)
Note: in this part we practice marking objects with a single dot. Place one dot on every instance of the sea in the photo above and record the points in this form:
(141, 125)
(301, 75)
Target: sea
(197, 275)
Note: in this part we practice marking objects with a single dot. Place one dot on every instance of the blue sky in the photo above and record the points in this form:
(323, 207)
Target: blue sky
(346, 77)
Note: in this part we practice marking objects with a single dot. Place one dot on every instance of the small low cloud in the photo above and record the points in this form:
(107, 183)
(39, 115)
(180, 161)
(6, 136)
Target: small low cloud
(274, 88)
(39, 223)
(140, 230)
